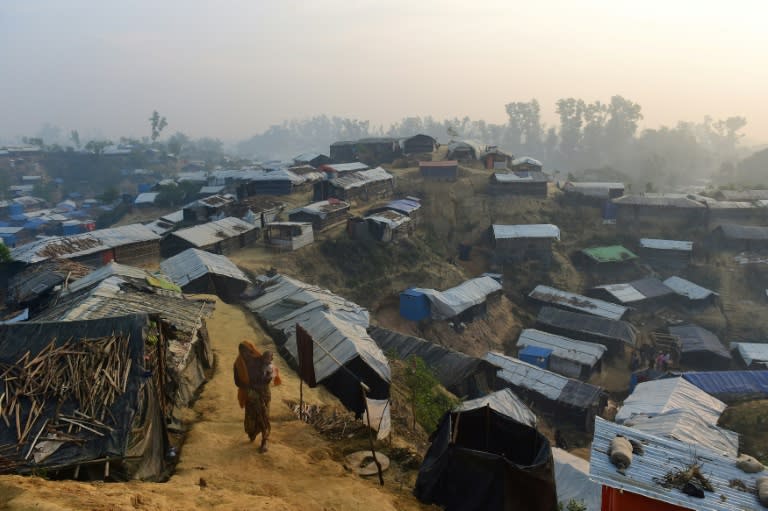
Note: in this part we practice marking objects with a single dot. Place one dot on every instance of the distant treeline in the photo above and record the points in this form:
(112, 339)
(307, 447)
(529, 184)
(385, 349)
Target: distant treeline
(592, 135)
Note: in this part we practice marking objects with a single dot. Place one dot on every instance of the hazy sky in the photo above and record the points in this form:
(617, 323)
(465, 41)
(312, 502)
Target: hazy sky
(231, 68)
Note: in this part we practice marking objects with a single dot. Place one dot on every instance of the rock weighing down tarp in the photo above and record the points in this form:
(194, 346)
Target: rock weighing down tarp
(452, 302)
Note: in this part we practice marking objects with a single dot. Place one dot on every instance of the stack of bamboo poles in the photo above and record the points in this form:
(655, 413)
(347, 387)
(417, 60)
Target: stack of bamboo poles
(86, 376)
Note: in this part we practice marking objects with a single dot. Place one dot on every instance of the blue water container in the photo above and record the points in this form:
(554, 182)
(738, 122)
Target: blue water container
(414, 305)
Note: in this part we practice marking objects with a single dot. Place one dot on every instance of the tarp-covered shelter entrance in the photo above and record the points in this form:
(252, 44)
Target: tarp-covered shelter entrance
(108, 418)
(482, 459)
(343, 352)
(464, 302)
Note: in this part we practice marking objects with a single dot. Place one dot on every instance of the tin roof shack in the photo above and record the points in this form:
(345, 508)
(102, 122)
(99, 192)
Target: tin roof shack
(373, 151)
(464, 376)
(146, 199)
(659, 213)
(343, 355)
(656, 397)
(465, 150)
(313, 159)
(741, 195)
(333, 170)
(611, 333)
(591, 193)
(361, 186)
(734, 212)
(210, 208)
(559, 397)
(700, 348)
(166, 223)
(685, 426)
(569, 357)
(485, 455)
(108, 417)
(754, 355)
(526, 164)
(35, 286)
(129, 244)
(731, 386)
(288, 235)
(12, 236)
(531, 184)
(575, 302)
(259, 211)
(740, 238)
(117, 290)
(648, 293)
(447, 170)
(410, 206)
(268, 182)
(515, 243)
(495, 158)
(223, 236)
(383, 226)
(692, 293)
(322, 214)
(196, 271)
(656, 478)
(668, 254)
(418, 144)
(466, 302)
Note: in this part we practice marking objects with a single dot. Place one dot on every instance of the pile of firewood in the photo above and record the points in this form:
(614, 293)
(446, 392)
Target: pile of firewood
(90, 375)
(330, 422)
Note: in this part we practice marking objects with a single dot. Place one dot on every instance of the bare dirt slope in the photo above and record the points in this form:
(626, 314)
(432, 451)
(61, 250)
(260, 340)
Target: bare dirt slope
(301, 471)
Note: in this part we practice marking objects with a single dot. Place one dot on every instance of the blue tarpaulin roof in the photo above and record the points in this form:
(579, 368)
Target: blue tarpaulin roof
(730, 384)
(536, 351)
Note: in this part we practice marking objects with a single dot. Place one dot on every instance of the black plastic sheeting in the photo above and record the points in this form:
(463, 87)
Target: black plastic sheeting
(134, 405)
(495, 464)
(461, 374)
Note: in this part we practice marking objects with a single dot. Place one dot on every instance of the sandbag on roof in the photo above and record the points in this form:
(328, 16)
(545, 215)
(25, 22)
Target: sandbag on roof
(452, 302)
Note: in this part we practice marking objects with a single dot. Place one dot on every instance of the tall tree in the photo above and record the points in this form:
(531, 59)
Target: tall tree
(157, 124)
(74, 136)
(571, 112)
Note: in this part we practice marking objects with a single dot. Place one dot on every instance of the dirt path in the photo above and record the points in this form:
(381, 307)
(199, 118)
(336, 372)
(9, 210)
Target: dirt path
(301, 471)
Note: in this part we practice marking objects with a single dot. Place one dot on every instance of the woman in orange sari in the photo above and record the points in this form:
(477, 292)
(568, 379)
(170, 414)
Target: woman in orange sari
(253, 374)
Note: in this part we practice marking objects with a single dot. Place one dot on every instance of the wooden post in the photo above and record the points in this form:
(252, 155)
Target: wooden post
(363, 390)
(301, 398)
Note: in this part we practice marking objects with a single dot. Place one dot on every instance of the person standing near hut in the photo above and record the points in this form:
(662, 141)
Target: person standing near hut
(253, 374)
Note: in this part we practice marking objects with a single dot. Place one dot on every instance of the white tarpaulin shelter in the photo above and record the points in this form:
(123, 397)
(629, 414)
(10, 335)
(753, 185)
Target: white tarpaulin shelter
(660, 396)
(454, 301)
(573, 483)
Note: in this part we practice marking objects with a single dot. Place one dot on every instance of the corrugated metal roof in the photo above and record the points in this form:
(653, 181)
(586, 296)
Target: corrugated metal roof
(445, 163)
(192, 264)
(660, 396)
(546, 383)
(199, 176)
(345, 167)
(731, 385)
(527, 376)
(685, 426)
(744, 232)
(389, 217)
(609, 254)
(527, 160)
(361, 178)
(752, 352)
(743, 195)
(694, 339)
(586, 324)
(526, 231)
(730, 205)
(504, 402)
(585, 353)
(406, 206)
(452, 302)
(520, 177)
(660, 457)
(656, 244)
(146, 198)
(659, 200)
(688, 289)
(273, 175)
(66, 247)
(213, 232)
(638, 290)
(111, 269)
(322, 208)
(212, 189)
(578, 302)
